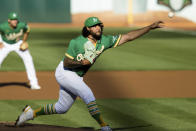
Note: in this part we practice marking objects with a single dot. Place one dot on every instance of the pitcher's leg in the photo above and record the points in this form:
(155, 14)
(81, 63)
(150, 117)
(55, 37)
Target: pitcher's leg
(65, 101)
(29, 66)
(77, 86)
(73, 83)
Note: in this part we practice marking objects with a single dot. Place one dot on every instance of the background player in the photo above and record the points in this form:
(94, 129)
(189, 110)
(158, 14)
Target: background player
(10, 33)
(80, 56)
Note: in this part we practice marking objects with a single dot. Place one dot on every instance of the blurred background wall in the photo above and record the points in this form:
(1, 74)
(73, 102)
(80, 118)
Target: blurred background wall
(134, 12)
(44, 11)
(111, 12)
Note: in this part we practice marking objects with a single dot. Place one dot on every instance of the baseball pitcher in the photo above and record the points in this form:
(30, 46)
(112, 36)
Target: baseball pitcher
(10, 33)
(80, 56)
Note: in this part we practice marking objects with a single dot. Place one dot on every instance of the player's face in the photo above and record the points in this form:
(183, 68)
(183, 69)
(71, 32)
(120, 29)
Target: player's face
(96, 31)
(13, 23)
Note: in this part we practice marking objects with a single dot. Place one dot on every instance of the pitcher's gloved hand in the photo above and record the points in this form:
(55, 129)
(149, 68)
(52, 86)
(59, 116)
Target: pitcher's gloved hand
(90, 52)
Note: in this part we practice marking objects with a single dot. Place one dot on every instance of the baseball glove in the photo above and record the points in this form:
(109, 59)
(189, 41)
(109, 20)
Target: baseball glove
(24, 46)
(90, 52)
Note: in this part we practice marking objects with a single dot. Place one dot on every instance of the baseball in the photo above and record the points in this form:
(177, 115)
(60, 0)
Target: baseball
(171, 14)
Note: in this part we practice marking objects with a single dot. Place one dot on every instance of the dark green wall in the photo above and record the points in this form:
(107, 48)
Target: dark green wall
(39, 11)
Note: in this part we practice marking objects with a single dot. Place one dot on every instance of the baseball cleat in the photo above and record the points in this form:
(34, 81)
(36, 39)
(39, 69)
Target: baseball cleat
(26, 115)
(106, 128)
(35, 87)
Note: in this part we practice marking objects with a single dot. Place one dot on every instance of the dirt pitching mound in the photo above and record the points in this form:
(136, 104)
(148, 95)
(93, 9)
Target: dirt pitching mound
(7, 126)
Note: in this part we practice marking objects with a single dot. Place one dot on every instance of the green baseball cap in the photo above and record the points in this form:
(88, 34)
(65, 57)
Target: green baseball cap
(13, 16)
(91, 21)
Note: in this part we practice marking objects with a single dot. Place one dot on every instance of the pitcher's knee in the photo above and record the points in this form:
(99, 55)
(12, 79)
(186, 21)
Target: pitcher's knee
(88, 98)
(62, 108)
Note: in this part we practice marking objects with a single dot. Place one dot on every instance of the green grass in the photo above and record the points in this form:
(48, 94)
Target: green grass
(157, 50)
(160, 114)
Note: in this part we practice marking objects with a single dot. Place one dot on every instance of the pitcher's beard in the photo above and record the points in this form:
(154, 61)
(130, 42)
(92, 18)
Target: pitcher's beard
(97, 37)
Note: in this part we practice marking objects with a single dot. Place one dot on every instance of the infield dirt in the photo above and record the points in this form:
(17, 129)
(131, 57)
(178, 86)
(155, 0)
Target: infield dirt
(105, 84)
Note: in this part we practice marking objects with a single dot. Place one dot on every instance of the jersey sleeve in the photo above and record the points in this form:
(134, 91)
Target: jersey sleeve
(71, 50)
(114, 40)
(26, 28)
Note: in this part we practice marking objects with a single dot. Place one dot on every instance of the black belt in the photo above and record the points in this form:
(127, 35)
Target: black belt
(65, 68)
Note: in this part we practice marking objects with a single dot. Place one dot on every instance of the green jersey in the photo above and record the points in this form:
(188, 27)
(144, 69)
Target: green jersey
(12, 35)
(76, 49)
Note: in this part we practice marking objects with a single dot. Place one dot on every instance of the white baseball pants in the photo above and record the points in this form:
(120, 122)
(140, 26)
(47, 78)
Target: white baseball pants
(71, 86)
(25, 55)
